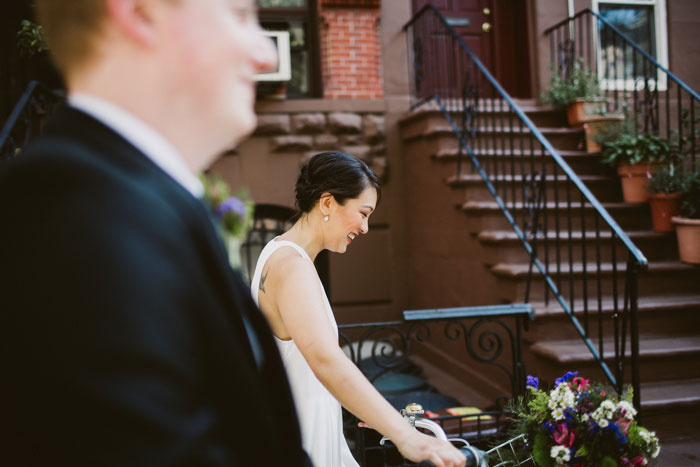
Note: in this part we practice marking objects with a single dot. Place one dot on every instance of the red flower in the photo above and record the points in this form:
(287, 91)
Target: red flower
(623, 424)
(562, 436)
(639, 460)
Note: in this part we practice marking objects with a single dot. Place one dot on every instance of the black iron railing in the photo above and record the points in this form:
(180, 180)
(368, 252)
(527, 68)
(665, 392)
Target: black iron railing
(587, 263)
(27, 118)
(486, 340)
(633, 81)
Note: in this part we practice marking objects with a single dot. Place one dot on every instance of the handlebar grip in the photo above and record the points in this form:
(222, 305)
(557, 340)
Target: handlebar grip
(426, 464)
(475, 457)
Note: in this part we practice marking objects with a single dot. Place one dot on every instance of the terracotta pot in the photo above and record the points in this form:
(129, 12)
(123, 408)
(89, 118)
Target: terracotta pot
(634, 179)
(594, 125)
(578, 110)
(664, 206)
(688, 232)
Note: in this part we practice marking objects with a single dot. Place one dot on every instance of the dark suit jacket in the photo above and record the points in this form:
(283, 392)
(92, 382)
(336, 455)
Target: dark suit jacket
(121, 322)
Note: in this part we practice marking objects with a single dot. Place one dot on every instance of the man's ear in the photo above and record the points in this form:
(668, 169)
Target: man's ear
(134, 18)
(325, 202)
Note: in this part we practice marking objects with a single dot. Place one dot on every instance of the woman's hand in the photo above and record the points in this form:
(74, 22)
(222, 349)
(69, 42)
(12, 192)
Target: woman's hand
(418, 447)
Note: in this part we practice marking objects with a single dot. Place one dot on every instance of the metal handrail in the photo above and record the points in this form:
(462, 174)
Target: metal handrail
(633, 249)
(635, 77)
(637, 262)
(630, 42)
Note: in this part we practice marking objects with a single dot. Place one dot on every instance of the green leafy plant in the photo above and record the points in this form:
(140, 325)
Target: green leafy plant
(582, 83)
(667, 179)
(690, 196)
(30, 39)
(632, 149)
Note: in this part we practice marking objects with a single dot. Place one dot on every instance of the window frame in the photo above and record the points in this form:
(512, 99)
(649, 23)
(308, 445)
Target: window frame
(309, 15)
(660, 38)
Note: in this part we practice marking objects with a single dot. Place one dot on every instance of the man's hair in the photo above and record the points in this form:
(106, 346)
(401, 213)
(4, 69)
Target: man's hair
(70, 27)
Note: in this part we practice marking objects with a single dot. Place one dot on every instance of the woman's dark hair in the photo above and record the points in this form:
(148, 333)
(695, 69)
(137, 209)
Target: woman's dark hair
(340, 174)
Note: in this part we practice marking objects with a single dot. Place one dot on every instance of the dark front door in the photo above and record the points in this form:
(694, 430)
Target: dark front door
(496, 31)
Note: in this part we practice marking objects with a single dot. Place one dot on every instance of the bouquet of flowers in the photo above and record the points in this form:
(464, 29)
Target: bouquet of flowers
(233, 213)
(579, 423)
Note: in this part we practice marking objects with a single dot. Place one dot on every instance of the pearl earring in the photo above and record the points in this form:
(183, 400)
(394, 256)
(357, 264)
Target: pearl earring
(325, 218)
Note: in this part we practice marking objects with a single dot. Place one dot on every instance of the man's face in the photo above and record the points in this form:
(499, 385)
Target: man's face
(213, 49)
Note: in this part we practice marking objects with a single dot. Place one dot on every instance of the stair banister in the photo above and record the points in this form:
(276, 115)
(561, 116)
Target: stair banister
(474, 93)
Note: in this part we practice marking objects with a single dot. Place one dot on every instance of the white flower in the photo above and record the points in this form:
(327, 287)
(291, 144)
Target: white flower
(585, 417)
(603, 423)
(608, 405)
(558, 414)
(560, 454)
(627, 409)
(551, 404)
(656, 452)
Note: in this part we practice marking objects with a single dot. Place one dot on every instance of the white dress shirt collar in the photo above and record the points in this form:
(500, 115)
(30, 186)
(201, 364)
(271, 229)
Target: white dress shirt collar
(142, 136)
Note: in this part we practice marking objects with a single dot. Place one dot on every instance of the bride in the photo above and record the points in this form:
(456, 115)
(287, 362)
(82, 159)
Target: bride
(336, 194)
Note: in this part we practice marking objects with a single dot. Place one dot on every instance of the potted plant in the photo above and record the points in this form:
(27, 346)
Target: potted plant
(688, 221)
(601, 128)
(665, 186)
(579, 93)
(636, 158)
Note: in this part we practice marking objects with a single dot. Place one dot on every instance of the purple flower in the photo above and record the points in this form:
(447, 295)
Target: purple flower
(533, 382)
(567, 377)
(231, 204)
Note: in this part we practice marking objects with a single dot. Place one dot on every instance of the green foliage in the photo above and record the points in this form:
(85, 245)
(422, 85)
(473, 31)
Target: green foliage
(629, 148)
(582, 83)
(30, 39)
(666, 179)
(540, 450)
(690, 197)
(608, 462)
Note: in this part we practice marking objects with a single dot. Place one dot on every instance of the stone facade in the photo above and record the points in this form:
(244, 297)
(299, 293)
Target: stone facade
(361, 134)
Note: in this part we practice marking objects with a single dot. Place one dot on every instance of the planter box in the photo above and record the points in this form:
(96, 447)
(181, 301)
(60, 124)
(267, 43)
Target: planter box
(688, 233)
(579, 110)
(599, 123)
(634, 179)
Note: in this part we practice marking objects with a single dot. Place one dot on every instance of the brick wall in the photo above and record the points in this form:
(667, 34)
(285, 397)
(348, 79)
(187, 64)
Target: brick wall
(351, 53)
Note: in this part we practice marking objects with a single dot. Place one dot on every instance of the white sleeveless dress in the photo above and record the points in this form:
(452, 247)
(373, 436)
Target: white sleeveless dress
(320, 414)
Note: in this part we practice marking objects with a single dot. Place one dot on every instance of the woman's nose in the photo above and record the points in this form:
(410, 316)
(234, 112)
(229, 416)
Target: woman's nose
(365, 227)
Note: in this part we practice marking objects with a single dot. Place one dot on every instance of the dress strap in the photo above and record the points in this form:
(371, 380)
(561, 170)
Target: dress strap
(280, 243)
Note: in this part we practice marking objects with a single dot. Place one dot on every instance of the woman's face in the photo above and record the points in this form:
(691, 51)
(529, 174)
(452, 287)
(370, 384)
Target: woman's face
(349, 221)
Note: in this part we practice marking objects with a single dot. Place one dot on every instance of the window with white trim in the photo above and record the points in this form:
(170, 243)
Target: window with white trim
(644, 22)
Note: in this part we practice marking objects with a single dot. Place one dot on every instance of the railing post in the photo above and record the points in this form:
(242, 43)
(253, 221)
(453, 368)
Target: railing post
(633, 271)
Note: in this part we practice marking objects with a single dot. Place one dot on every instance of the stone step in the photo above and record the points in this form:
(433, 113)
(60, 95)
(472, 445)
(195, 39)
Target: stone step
(500, 137)
(670, 357)
(519, 161)
(516, 186)
(487, 215)
(539, 114)
(502, 246)
(657, 314)
(662, 277)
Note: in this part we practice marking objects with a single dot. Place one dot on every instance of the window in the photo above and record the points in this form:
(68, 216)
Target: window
(300, 19)
(644, 22)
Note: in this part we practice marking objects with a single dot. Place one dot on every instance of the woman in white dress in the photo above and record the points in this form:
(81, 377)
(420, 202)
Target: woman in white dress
(336, 193)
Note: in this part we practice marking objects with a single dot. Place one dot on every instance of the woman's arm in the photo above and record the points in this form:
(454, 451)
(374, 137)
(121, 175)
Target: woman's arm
(299, 299)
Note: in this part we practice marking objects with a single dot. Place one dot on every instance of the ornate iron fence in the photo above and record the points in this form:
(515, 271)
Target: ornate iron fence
(654, 99)
(27, 118)
(586, 262)
(485, 339)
